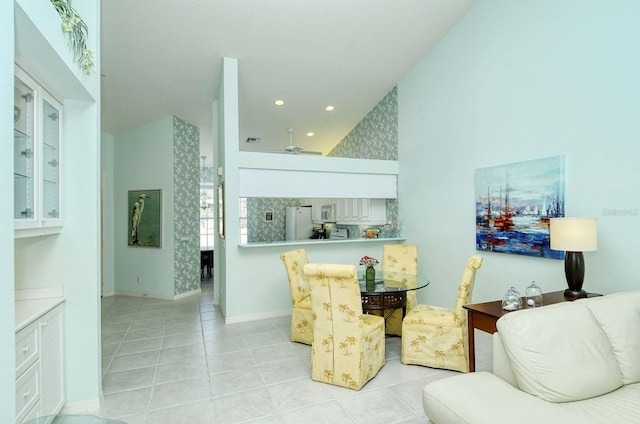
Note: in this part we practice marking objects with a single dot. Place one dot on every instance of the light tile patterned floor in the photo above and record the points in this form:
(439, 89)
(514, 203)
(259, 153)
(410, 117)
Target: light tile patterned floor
(173, 362)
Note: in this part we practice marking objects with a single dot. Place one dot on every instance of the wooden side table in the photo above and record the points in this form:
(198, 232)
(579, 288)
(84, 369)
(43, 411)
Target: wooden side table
(484, 316)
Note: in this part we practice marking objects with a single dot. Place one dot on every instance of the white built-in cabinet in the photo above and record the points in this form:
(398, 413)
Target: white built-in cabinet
(361, 211)
(37, 138)
(352, 211)
(39, 367)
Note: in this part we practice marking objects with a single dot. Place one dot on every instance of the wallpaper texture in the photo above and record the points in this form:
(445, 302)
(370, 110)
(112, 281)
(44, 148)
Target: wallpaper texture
(259, 230)
(186, 180)
(376, 136)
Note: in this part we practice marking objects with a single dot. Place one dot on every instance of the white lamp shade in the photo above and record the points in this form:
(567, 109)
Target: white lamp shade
(574, 234)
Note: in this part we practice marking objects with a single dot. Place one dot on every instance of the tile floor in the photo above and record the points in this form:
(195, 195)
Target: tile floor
(173, 362)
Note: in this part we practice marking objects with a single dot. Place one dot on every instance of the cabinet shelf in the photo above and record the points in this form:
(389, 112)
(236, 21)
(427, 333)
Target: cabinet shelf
(19, 135)
(37, 147)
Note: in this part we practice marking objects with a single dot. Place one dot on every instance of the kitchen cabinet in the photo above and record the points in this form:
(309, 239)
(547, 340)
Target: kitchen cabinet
(361, 211)
(37, 138)
(39, 366)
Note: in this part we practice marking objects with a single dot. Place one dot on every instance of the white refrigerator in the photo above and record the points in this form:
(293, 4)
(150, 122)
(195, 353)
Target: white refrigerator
(298, 223)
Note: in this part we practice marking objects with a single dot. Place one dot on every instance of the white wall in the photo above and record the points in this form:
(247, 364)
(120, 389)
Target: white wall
(7, 323)
(259, 281)
(143, 159)
(519, 80)
(108, 229)
(228, 131)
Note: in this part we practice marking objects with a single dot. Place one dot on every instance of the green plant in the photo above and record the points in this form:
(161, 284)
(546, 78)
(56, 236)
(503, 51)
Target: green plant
(77, 33)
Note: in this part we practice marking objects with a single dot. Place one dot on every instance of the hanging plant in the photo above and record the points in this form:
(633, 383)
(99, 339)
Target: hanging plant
(77, 33)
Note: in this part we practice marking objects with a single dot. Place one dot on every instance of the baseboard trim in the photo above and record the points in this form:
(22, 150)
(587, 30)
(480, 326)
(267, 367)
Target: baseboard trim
(157, 296)
(187, 294)
(255, 317)
(82, 408)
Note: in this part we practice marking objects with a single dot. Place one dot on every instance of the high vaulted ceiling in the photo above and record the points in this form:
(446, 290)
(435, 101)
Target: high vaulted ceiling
(163, 57)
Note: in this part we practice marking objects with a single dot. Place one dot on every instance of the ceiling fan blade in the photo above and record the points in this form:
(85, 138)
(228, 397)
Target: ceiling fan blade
(309, 152)
(291, 148)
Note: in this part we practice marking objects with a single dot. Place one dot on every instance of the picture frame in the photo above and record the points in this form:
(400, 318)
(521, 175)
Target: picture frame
(514, 205)
(268, 216)
(221, 210)
(144, 217)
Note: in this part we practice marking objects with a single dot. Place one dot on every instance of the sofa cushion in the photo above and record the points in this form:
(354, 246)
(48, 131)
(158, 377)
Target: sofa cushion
(501, 366)
(619, 317)
(618, 407)
(559, 352)
(483, 398)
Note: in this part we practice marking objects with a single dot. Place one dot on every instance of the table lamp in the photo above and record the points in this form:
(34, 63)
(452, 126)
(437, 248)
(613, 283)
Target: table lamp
(574, 236)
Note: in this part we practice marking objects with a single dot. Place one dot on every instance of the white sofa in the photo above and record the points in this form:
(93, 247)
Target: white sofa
(573, 362)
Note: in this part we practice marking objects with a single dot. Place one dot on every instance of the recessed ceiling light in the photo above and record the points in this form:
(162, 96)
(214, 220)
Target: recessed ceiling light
(279, 102)
(329, 108)
(310, 134)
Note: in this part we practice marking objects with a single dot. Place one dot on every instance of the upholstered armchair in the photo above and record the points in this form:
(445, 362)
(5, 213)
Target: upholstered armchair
(301, 322)
(400, 262)
(436, 336)
(348, 347)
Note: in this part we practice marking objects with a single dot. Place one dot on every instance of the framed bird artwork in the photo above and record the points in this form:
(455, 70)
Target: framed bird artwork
(145, 218)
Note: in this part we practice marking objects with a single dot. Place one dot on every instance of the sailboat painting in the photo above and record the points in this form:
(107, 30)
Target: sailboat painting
(514, 204)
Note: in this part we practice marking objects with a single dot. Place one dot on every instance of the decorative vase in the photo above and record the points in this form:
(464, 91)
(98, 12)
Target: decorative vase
(370, 278)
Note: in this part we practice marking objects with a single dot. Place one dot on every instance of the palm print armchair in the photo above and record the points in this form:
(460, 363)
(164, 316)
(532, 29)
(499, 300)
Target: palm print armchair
(301, 323)
(348, 347)
(436, 336)
(400, 260)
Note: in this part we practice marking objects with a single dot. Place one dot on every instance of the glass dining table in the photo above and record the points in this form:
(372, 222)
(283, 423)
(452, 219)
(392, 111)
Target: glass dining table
(389, 291)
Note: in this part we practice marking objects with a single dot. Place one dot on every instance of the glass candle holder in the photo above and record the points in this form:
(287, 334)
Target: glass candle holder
(511, 300)
(534, 295)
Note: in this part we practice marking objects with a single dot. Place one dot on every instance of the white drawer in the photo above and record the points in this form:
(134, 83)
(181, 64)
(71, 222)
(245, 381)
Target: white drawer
(27, 348)
(32, 415)
(27, 391)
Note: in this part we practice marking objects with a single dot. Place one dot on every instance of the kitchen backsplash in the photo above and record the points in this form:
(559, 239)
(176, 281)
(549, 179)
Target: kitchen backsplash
(260, 230)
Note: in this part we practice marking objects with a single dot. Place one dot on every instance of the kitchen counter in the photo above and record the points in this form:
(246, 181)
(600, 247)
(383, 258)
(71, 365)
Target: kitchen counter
(320, 241)
(32, 303)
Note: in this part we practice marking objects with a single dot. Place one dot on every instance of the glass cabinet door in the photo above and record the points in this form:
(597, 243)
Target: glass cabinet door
(37, 134)
(50, 159)
(23, 136)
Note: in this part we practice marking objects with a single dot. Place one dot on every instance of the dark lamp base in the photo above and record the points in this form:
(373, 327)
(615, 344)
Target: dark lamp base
(573, 294)
(574, 271)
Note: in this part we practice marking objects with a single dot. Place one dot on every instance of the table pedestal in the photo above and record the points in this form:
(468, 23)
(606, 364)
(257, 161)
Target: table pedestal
(379, 301)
